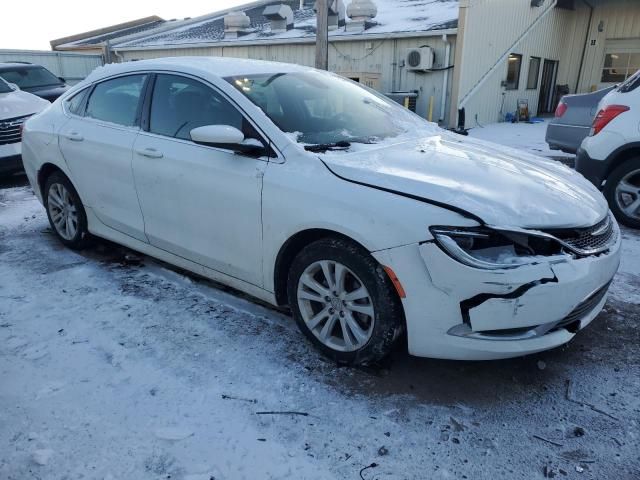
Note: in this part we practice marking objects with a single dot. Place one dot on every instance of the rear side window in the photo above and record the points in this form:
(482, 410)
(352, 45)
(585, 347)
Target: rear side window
(75, 103)
(180, 104)
(117, 100)
(631, 84)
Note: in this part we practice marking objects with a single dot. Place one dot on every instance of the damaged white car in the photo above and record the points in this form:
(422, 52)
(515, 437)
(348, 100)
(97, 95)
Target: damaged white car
(305, 189)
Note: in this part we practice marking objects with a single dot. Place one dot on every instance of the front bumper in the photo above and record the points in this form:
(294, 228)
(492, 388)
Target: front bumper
(457, 312)
(10, 158)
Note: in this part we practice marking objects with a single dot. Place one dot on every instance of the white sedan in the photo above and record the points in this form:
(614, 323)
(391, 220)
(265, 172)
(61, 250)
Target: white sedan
(305, 189)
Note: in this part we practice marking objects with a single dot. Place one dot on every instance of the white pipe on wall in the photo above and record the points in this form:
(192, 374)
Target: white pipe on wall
(445, 81)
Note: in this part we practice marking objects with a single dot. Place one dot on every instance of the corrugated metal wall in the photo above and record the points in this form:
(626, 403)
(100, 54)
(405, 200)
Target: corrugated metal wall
(620, 20)
(73, 67)
(485, 43)
(381, 61)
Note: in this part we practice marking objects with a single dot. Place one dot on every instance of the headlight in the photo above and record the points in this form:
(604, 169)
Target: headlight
(492, 249)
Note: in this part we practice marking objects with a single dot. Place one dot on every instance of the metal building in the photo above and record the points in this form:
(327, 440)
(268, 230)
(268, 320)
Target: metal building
(480, 55)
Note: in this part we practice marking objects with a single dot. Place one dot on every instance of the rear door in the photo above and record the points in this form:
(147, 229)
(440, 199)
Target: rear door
(199, 202)
(98, 148)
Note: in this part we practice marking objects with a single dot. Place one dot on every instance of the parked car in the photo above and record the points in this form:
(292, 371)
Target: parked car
(573, 119)
(303, 188)
(610, 156)
(15, 107)
(34, 79)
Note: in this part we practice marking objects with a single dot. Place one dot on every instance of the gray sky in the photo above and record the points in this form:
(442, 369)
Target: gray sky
(30, 25)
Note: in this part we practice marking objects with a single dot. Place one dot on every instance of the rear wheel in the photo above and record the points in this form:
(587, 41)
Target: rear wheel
(65, 211)
(622, 191)
(343, 301)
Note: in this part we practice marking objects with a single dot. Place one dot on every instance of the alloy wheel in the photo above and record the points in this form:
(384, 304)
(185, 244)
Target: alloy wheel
(628, 195)
(63, 211)
(336, 306)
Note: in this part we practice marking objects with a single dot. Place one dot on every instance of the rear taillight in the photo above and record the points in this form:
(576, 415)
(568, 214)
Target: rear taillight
(605, 116)
(562, 108)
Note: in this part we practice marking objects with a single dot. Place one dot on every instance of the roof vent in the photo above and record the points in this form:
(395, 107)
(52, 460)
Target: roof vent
(361, 13)
(235, 24)
(280, 16)
(336, 13)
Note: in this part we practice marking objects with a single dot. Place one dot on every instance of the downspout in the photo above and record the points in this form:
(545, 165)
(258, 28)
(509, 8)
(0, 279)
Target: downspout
(584, 48)
(488, 74)
(445, 81)
(118, 56)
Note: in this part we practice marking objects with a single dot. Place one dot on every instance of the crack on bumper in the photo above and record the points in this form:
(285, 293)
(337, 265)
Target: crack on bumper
(476, 301)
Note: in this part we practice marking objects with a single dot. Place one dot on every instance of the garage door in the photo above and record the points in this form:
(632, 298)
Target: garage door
(621, 60)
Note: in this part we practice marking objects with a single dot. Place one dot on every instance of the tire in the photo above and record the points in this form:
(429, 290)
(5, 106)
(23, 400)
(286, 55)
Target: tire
(379, 316)
(615, 192)
(65, 211)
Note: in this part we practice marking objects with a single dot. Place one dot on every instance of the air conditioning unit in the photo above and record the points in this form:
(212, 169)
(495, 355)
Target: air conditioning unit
(419, 59)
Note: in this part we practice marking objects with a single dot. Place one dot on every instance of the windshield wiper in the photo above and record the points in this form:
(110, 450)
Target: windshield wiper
(323, 147)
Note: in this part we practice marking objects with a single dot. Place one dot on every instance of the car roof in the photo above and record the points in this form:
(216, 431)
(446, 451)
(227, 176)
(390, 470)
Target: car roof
(14, 65)
(207, 66)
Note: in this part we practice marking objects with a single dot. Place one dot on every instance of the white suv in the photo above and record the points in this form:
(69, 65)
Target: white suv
(15, 107)
(610, 156)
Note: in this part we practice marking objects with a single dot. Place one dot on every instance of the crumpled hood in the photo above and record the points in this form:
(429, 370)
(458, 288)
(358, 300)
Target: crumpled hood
(19, 103)
(502, 186)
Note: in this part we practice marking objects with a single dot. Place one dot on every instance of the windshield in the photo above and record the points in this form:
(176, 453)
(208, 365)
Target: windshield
(322, 108)
(4, 88)
(631, 84)
(30, 77)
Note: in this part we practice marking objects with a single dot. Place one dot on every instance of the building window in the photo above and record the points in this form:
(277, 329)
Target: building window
(534, 73)
(619, 66)
(513, 71)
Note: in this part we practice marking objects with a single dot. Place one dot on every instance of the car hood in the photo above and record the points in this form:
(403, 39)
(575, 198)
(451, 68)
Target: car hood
(50, 93)
(18, 104)
(502, 186)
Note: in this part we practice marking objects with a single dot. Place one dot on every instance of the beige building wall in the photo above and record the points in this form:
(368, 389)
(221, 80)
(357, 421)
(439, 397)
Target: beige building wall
(377, 63)
(491, 29)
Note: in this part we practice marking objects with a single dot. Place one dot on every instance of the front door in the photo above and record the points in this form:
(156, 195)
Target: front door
(199, 202)
(98, 148)
(546, 103)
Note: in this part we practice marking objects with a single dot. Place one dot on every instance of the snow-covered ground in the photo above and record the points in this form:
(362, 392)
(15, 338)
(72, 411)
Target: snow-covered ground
(523, 136)
(116, 367)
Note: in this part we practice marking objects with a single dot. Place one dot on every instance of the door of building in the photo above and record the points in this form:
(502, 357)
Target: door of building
(547, 102)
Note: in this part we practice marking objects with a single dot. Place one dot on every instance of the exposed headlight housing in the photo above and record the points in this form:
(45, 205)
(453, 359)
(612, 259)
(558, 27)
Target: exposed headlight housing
(492, 249)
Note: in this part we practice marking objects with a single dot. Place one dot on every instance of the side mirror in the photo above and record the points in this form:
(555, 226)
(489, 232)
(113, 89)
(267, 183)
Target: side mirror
(13, 86)
(226, 136)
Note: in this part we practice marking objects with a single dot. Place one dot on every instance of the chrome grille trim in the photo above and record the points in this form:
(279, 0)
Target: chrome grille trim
(10, 130)
(591, 240)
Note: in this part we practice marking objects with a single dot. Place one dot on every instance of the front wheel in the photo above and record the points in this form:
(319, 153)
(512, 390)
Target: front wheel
(622, 191)
(343, 300)
(65, 211)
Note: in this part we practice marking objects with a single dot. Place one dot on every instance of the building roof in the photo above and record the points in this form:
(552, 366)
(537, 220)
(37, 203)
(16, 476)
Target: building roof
(394, 17)
(97, 37)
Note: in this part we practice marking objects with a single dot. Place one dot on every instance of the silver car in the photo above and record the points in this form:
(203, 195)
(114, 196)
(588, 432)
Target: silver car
(573, 120)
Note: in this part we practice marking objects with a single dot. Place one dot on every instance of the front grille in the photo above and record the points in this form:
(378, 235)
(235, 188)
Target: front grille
(11, 130)
(591, 240)
(584, 309)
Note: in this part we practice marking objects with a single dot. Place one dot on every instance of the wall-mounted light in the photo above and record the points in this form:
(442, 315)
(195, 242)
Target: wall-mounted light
(601, 26)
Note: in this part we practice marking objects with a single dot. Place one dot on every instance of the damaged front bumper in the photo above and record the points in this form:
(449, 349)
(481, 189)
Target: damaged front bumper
(455, 311)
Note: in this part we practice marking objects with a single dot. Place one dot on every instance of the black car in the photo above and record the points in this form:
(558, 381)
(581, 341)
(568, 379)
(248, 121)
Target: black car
(34, 79)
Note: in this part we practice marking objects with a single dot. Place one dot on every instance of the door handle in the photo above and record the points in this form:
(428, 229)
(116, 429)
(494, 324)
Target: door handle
(149, 152)
(73, 136)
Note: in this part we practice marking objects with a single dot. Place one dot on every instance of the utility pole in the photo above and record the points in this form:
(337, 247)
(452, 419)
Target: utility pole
(322, 35)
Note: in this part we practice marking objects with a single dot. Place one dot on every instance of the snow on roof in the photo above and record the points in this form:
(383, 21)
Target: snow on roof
(394, 16)
(207, 66)
(96, 39)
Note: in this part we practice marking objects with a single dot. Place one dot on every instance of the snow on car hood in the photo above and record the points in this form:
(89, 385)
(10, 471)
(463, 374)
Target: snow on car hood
(502, 186)
(19, 103)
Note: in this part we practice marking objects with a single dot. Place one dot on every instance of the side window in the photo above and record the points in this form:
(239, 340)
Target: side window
(75, 103)
(513, 71)
(116, 100)
(180, 104)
